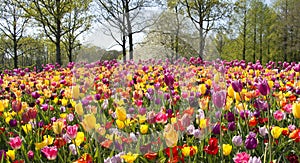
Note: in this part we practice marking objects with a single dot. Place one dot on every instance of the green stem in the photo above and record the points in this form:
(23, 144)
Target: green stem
(221, 136)
(269, 135)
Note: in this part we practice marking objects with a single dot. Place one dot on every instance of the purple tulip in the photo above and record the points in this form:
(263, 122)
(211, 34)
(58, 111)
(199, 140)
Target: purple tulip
(70, 117)
(237, 85)
(244, 114)
(142, 111)
(256, 113)
(216, 129)
(198, 133)
(190, 129)
(251, 141)
(219, 99)
(237, 141)
(229, 117)
(40, 124)
(157, 101)
(218, 114)
(35, 95)
(231, 126)
(22, 86)
(45, 107)
(263, 131)
(169, 79)
(72, 149)
(13, 123)
(260, 104)
(264, 88)
(97, 97)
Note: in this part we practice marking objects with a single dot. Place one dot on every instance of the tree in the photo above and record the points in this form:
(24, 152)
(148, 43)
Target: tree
(205, 14)
(123, 19)
(12, 25)
(112, 17)
(172, 35)
(52, 17)
(288, 15)
(78, 21)
(241, 13)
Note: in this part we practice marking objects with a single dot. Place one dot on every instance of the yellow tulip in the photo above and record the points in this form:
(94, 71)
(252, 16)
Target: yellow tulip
(7, 119)
(237, 96)
(11, 154)
(40, 145)
(6, 102)
(89, 122)
(186, 151)
(170, 135)
(202, 89)
(230, 91)
(55, 100)
(144, 129)
(227, 149)
(121, 113)
(64, 102)
(276, 132)
(48, 139)
(27, 128)
(142, 118)
(79, 138)
(75, 92)
(63, 115)
(202, 123)
(296, 110)
(129, 157)
(208, 82)
(1, 106)
(271, 84)
(173, 120)
(58, 127)
(79, 109)
(120, 124)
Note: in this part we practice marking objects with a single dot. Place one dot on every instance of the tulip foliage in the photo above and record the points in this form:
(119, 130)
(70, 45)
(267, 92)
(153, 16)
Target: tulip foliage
(151, 111)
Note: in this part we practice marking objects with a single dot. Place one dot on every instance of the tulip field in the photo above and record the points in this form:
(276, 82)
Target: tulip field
(152, 111)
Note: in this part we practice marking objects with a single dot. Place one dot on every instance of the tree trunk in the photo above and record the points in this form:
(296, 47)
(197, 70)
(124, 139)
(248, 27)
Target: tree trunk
(124, 48)
(244, 32)
(15, 41)
(254, 38)
(129, 30)
(58, 36)
(70, 54)
(15, 53)
(285, 37)
(202, 42)
(260, 45)
(57, 45)
(177, 35)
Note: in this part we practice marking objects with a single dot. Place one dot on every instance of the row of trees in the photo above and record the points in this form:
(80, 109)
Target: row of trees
(43, 31)
(259, 31)
(60, 22)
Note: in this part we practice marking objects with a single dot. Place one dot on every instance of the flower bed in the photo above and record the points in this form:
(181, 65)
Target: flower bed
(152, 111)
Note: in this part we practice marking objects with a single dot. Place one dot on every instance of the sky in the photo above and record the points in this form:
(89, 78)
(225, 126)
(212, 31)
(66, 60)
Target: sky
(96, 37)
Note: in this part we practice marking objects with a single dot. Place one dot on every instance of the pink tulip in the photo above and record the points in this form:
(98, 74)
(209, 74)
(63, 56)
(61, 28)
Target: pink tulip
(279, 115)
(161, 118)
(15, 143)
(49, 152)
(72, 131)
(219, 99)
(242, 157)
